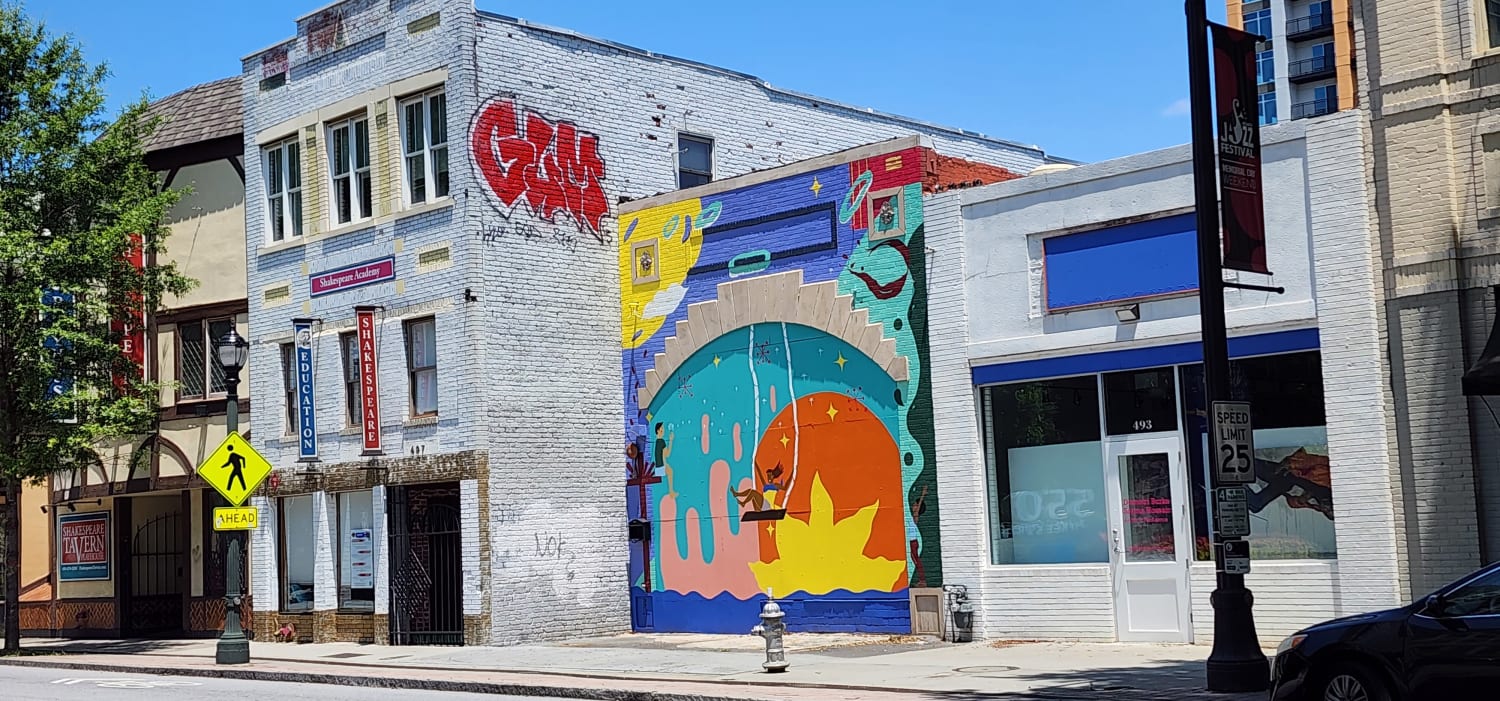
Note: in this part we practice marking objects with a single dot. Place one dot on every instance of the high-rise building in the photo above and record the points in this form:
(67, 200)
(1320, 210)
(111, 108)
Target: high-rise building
(1306, 65)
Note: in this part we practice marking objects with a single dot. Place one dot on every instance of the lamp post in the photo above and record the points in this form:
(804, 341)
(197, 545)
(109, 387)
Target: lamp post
(232, 351)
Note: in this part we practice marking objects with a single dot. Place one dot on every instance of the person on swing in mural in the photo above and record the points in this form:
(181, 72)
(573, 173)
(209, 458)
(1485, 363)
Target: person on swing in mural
(772, 480)
(662, 454)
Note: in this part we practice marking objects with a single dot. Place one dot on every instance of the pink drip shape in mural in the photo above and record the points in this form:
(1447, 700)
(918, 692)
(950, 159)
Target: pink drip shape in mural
(733, 552)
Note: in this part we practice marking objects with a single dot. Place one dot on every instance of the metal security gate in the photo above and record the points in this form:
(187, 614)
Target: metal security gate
(154, 603)
(427, 566)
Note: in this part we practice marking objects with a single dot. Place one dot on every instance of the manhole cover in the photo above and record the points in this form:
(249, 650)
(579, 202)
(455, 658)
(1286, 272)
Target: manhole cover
(992, 669)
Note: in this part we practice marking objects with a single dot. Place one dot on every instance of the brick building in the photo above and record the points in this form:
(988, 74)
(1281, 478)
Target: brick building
(434, 189)
(1427, 74)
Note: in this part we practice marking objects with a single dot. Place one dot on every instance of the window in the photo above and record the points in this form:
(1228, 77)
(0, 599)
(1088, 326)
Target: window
(1265, 66)
(349, 352)
(1492, 23)
(349, 161)
(1046, 472)
(356, 551)
(284, 189)
(1140, 401)
(1259, 22)
(289, 386)
(1477, 597)
(1291, 503)
(695, 160)
(1268, 107)
(1491, 145)
(424, 143)
(198, 372)
(421, 365)
(1326, 97)
(297, 553)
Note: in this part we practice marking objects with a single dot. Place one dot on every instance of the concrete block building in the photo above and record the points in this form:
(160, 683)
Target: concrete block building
(433, 249)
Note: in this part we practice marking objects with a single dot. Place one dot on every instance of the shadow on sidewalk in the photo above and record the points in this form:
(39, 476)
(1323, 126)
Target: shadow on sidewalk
(1162, 679)
(100, 647)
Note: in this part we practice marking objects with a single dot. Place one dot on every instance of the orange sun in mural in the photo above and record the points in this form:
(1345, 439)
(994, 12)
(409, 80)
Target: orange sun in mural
(840, 484)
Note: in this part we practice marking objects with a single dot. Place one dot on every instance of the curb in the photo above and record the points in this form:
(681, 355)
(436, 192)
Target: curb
(508, 689)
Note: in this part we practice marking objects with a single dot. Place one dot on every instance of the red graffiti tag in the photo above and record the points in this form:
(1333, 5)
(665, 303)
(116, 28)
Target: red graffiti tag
(552, 166)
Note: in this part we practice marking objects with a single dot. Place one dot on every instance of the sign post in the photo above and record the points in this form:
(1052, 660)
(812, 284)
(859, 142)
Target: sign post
(1236, 663)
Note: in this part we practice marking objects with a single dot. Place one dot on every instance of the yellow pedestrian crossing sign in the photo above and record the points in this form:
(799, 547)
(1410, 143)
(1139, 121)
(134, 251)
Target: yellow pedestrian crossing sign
(235, 469)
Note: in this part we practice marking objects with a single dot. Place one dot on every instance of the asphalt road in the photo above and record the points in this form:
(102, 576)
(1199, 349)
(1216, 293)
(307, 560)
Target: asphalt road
(38, 684)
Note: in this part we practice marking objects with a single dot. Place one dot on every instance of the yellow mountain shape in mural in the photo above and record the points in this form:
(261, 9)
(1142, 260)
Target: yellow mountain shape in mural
(820, 556)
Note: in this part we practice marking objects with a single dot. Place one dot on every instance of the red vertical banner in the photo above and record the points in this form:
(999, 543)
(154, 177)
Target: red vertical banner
(369, 379)
(1237, 107)
(130, 322)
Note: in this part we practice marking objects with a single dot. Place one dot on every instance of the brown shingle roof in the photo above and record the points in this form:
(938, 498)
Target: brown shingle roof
(200, 113)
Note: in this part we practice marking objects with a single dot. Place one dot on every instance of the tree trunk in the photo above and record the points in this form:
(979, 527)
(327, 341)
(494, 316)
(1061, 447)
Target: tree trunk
(12, 565)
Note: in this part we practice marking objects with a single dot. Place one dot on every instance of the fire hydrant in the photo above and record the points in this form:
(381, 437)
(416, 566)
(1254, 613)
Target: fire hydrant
(772, 629)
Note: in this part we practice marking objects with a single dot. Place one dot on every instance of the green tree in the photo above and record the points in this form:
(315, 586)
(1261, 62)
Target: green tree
(77, 203)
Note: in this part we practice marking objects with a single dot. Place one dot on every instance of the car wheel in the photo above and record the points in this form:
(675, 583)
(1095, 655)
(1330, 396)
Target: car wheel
(1352, 682)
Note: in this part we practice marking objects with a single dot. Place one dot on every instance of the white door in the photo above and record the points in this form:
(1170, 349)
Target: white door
(1150, 539)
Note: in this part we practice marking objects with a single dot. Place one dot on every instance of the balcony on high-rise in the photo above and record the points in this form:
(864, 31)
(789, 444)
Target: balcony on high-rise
(1318, 24)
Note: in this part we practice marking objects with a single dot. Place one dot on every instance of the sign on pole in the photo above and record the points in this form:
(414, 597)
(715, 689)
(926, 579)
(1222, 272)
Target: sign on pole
(1237, 110)
(307, 417)
(1236, 556)
(1234, 449)
(235, 469)
(369, 380)
(1232, 511)
(236, 518)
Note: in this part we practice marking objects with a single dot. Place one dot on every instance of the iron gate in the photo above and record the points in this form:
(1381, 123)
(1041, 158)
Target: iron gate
(427, 566)
(156, 554)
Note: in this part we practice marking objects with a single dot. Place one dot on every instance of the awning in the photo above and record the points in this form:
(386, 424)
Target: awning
(1483, 376)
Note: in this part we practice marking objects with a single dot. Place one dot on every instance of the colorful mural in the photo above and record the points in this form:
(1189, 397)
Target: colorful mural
(778, 413)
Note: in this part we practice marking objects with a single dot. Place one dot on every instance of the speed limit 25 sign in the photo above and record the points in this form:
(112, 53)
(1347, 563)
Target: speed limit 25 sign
(1234, 450)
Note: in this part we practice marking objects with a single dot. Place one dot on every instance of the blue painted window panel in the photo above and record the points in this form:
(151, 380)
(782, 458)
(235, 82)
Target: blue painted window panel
(783, 235)
(1121, 263)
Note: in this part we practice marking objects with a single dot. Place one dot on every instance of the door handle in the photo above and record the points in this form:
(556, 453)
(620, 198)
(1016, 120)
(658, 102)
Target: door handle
(1119, 546)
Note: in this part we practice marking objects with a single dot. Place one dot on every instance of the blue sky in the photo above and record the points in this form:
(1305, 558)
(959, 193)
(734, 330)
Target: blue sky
(1084, 79)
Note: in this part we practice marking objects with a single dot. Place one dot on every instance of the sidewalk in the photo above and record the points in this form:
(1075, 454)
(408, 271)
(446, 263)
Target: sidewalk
(823, 667)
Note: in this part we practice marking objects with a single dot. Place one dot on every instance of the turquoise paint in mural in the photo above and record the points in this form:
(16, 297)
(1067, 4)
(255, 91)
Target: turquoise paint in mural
(879, 264)
(754, 365)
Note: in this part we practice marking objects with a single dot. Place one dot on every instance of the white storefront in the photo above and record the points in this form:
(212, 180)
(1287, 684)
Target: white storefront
(1068, 388)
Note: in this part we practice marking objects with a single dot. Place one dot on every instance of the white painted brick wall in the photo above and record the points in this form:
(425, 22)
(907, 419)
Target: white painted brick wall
(382, 553)
(325, 544)
(1289, 596)
(264, 545)
(473, 583)
(1357, 401)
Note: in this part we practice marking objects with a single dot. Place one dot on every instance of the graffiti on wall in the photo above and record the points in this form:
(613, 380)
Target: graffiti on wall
(778, 413)
(549, 166)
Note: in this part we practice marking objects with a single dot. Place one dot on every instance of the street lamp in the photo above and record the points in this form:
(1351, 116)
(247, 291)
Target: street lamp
(232, 351)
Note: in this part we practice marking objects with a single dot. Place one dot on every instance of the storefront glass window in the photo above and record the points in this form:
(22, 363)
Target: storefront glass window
(1291, 503)
(1140, 401)
(1046, 472)
(357, 551)
(298, 553)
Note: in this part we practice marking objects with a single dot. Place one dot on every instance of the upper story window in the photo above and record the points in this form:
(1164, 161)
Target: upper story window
(289, 388)
(199, 375)
(1259, 22)
(349, 354)
(695, 160)
(421, 365)
(283, 173)
(1491, 23)
(1268, 107)
(1265, 66)
(424, 146)
(349, 163)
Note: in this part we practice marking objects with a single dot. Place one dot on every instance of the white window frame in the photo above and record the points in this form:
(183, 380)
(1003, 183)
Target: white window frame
(699, 138)
(427, 150)
(359, 177)
(1484, 44)
(290, 151)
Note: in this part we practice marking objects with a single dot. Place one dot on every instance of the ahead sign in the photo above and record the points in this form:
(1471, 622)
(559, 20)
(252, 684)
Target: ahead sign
(1234, 451)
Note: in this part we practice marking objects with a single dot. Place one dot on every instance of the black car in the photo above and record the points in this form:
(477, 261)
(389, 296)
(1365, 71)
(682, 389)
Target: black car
(1445, 647)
